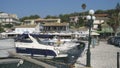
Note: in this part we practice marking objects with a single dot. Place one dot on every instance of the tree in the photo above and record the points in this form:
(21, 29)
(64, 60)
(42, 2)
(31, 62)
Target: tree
(80, 22)
(114, 21)
(1, 29)
(64, 18)
(118, 8)
(49, 16)
(99, 12)
(8, 25)
(23, 18)
(29, 17)
(34, 16)
(83, 6)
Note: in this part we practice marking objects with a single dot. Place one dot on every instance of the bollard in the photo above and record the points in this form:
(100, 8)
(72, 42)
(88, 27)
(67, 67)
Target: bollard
(118, 59)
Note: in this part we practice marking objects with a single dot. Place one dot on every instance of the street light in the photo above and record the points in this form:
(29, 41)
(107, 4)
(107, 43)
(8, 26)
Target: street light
(90, 19)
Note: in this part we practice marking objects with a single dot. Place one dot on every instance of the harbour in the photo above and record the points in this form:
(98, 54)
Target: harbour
(56, 34)
(105, 56)
(73, 55)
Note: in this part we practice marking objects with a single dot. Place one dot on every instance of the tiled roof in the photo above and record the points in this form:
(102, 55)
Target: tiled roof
(101, 15)
(29, 19)
(39, 19)
(56, 24)
(102, 18)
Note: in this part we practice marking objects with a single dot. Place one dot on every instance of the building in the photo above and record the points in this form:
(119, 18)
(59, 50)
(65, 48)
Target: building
(40, 20)
(26, 29)
(6, 18)
(74, 19)
(20, 30)
(47, 20)
(55, 27)
(100, 18)
(29, 22)
(48, 24)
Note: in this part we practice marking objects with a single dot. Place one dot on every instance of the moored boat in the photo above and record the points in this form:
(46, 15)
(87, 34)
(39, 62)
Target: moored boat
(31, 45)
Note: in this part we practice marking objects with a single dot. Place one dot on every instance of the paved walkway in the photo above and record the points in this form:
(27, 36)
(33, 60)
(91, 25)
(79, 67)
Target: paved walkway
(102, 56)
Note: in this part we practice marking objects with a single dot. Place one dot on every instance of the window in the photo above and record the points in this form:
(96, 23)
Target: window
(26, 40)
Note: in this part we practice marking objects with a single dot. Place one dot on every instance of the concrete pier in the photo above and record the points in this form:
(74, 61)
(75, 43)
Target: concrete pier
(102, 56)
(31, 60)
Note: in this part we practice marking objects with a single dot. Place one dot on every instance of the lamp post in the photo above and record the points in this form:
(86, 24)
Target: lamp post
(90, 19)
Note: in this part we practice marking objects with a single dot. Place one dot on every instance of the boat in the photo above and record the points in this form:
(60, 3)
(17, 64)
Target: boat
(62, 44)
(31, 45)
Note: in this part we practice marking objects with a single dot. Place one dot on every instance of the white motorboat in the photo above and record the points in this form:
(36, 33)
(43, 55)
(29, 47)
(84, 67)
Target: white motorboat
(31, 45)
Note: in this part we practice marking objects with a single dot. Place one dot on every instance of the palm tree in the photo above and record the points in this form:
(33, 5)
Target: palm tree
(83, 6)
(118, 8)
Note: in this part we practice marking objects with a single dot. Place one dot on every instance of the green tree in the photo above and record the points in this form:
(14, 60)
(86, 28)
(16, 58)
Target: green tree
(34, 16)
(49, 16)
(1, 29)
(23, 18)
(114, 21)
(80, 22)
(83, 6)
(64, 18)
(8, 25)
(100, 12)
(29, 17)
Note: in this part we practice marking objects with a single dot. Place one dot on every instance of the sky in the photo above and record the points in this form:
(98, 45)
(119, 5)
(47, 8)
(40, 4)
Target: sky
(53, 7)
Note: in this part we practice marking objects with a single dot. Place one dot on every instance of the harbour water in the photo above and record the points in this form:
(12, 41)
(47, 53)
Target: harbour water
(73, 54)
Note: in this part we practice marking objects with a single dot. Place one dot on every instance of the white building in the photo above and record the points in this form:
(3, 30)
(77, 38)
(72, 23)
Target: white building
(40, 21)
(6, 18)
(74, 19)
(20, 30)
(27, 29)
(48, 24)
(100, 18)
(29, 22)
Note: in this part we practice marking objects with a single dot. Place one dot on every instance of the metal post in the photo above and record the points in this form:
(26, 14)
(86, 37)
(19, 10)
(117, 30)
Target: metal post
(88, 54)
(118, 59)
(88, 62)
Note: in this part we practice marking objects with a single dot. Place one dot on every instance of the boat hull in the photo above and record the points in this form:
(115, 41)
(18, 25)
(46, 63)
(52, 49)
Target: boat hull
(35, 52)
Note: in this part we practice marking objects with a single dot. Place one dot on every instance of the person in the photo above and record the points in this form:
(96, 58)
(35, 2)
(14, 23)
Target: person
(58, 42)
(94, 41)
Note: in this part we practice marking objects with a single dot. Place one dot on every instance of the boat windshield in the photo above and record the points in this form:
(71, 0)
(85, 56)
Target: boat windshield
(26, 40)
(43, 42)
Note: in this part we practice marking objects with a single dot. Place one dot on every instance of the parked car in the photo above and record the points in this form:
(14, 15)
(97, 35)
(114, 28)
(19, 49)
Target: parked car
(114, 41)
(117, 41)
(110, 40)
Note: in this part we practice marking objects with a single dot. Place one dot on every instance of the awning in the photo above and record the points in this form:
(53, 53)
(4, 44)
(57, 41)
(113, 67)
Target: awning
(94, 33)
